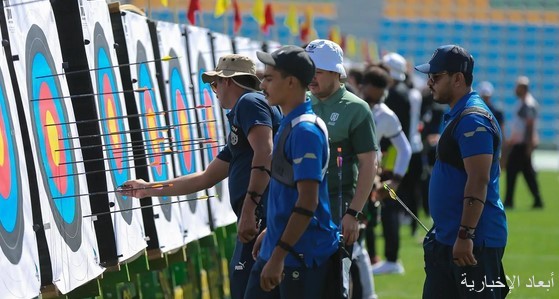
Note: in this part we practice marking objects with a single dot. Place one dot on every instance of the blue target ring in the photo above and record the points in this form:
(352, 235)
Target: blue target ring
(209, 127)
(110, 106)
(11, 210)
(153, 138)
(180, 117)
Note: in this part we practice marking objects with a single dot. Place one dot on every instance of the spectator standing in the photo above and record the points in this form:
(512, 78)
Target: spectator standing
(522, 142)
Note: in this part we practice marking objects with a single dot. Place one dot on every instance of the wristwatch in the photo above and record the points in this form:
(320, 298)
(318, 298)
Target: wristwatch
(357, 214)
(464, 233)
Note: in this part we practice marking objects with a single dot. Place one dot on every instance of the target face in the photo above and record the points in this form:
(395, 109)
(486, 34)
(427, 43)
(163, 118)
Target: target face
(209, 127)
(52, 140)
(109, 106)
(181, 116)
(152, 125)
(11, 211)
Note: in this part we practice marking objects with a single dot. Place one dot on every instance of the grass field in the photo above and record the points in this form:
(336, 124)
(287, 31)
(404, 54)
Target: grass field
(532, 251)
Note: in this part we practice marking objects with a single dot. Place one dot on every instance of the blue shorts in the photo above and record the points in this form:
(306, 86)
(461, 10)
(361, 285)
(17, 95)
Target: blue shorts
(444, 279)
(298, 283)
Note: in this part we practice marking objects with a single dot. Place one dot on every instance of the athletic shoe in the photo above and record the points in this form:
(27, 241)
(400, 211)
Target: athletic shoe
(386, 267)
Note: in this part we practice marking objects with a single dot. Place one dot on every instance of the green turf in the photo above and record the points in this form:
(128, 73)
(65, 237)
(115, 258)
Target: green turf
(532, 250)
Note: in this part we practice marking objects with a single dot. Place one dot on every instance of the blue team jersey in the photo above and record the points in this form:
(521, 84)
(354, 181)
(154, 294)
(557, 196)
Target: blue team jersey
(306, 148)
(251, 110)
(446, 188)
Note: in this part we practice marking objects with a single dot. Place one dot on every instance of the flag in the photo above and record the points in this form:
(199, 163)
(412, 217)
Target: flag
(221, 7)
(365, 51)
(192, 9)
(373, 52)
(335, 35)
(351, 46)
(165, 3)
(307, 26)
(268, 18)
(292, 20)
(258, 12)
(237, 19)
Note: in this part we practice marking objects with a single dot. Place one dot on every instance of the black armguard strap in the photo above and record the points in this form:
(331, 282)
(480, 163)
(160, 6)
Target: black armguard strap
(253, 196)
(262, 168)
(281, 244)
(472, 199)
(303, 211)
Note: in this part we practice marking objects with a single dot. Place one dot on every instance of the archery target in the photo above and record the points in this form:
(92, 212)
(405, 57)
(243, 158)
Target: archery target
(182, 115)
(11, 210)
(18, 244)
(201, 60)
(54, 140)
(111, 109)
(154, 127)
(116, 143)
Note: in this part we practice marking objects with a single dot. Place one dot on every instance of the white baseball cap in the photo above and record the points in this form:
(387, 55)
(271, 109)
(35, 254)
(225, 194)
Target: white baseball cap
(523, 80)
(397, 65)
(485, 88)
(327, 55)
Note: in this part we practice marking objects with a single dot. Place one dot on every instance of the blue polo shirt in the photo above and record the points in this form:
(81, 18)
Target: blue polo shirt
(250, 110)
(446, 188)
(306, 148)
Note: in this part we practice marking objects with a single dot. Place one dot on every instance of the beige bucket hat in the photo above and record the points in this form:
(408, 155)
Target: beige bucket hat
(231, 66)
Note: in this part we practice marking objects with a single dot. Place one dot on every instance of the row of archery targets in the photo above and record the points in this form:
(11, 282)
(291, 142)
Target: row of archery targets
(92, 95)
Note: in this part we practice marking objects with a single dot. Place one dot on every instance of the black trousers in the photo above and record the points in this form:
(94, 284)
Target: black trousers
(389, 215)
(519, 161)
(410, 189)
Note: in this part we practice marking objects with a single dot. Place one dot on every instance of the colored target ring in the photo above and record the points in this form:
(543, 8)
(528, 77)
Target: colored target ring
(110, 106)
(180, 116)
(209, 127)
(52, 149)
(11, 210)
(152, 124)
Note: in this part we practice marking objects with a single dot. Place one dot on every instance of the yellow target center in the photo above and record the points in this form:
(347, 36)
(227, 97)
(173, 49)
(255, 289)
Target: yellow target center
(52, 135)
(112, 122)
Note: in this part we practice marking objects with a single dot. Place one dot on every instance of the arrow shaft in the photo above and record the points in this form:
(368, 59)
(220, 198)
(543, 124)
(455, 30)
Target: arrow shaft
(151, 206)
(162, 128)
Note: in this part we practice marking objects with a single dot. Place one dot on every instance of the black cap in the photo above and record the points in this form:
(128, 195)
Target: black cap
(291, 59)
(450, 58)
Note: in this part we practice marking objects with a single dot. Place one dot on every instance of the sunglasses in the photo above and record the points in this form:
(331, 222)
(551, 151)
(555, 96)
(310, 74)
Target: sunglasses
(213, 85)
(435, 77)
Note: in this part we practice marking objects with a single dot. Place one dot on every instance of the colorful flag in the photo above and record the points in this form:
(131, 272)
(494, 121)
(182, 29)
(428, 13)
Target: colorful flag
(307, 26)
(237, 19)
(258, 12)
(192, 9)
(292, 20)
(374, 52)
(268, 18)
(221, 7)
(351, 46)
(335, 35)
(365, 51)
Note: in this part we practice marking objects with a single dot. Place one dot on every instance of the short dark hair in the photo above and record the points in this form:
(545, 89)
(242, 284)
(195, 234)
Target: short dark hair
(376, 75)
(469, 78)
(357, 74)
